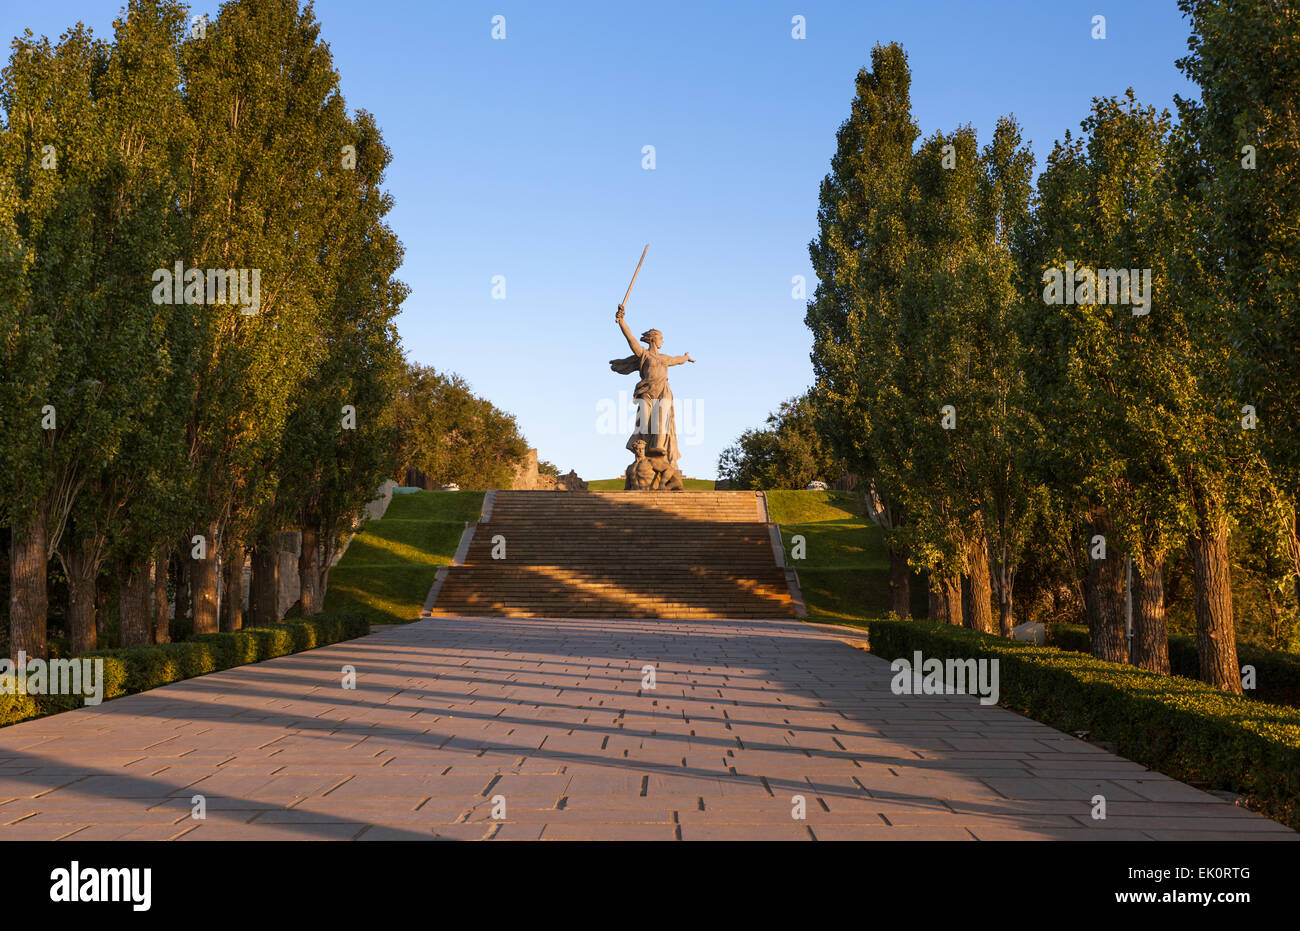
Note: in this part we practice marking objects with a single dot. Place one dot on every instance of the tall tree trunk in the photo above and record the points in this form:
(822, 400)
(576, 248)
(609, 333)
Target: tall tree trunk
(203, 583)
(1006, 623)
(967, 602)
(1293, 541)
(950, 599)
(1005, 579)
(945, 599)
(900, 580)
(28, 598)
(328, 550)
(1150, 634)
(184, 600)
(161, 621)
(82, 569)
(265, 585)
(135, 604)
(1275, 621)
(1103, 595)
(1216, 641)
(104, 586)
(232, 605)
(979, 613)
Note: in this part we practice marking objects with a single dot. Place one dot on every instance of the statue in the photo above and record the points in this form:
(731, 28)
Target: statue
(667, 478)
(655, 427)
(640, 474)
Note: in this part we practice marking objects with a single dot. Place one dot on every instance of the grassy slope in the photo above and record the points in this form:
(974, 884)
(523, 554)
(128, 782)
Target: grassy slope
(389, 566)
(844, 574)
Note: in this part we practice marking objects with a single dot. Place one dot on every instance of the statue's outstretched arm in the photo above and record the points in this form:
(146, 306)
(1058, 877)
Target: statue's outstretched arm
(677, 360)
(637, 348)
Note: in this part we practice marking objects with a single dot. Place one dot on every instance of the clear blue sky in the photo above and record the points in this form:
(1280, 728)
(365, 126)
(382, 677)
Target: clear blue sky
(522, 158)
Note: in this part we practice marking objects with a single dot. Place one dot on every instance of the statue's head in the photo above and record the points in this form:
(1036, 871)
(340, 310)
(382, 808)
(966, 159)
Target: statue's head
(639, 448)
(652, 338)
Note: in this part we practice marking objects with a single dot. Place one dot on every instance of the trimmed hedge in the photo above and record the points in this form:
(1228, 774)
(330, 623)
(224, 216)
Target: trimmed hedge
(1182, 728)
(138, 669)
(1277, 672)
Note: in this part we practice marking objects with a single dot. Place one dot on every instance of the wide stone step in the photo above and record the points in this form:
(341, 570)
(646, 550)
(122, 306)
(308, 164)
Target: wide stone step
(619, 554)
(504, 608)
(614, 518)
(543, 506)
(627, 528)
(589, 591)
(596, 550)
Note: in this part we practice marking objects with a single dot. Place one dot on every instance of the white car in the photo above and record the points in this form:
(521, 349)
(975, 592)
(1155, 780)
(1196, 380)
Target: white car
(815, 486)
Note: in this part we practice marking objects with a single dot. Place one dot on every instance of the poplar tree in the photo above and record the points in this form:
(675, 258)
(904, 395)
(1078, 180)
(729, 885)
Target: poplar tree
(1243, 156)
(142, 417)
(1010, 496)
(262, 88)
(939, 298)
(1063, 376)
(340, 435)
(858, 257)
(1132, 395)
(129, 503)
(964, 483)
(60, 419)
(1141, 383)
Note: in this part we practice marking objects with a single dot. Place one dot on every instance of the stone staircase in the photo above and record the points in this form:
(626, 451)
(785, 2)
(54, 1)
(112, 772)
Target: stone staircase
(694, 554)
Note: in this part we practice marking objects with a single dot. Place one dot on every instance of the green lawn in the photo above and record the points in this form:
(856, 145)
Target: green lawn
(816, 507)
(616, 484)
(389, 566)
(844, 572)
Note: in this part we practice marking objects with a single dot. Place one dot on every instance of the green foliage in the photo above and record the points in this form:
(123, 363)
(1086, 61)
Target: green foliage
(1277, 671)
(311, 214)
(957, 306)
(453, 435)
(1182, 728)
(1248, 97)
(1143, 396)
(138, 669)
(341, 434)
(1077, 417)
(222, 150)
(913, 316)
(95, 215)
(858, 256)
(789, 453)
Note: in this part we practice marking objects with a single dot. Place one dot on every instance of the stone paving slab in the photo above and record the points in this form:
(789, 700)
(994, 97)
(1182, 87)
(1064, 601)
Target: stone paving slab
(453, 718)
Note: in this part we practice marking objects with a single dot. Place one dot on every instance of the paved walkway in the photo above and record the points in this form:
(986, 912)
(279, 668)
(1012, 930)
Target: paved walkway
(452, 716)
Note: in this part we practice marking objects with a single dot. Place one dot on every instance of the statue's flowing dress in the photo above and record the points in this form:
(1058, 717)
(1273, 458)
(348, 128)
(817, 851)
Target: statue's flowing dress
(654, 398)
(655, 423)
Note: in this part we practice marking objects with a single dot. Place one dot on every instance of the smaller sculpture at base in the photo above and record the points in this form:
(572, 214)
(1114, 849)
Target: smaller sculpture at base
(667, 478)
(652, 472)
(640, 474)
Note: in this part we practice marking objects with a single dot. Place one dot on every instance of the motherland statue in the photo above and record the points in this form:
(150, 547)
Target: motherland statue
(654, 437)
